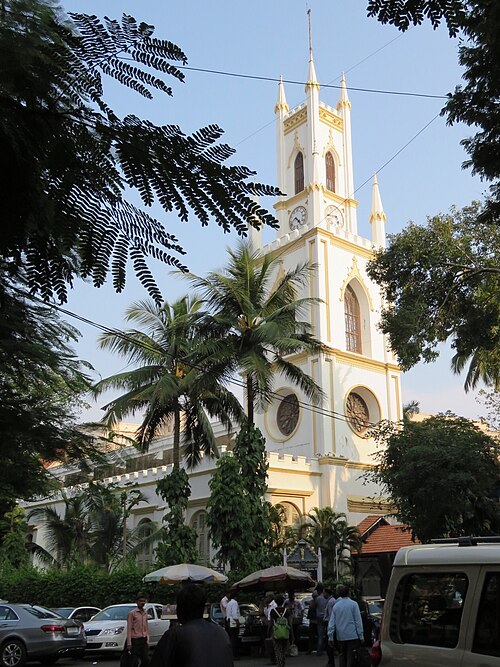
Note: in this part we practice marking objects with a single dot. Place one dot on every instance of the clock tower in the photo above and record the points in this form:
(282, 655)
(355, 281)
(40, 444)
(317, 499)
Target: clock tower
(356, 371)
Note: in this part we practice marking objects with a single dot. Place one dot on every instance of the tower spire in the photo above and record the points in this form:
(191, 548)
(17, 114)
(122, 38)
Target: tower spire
(344, 100)
(312, 81)
(281, 103)
(377, 216)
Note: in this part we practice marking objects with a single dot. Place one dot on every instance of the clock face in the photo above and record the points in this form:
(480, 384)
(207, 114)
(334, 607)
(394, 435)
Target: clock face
(333, 215)
(298, 217)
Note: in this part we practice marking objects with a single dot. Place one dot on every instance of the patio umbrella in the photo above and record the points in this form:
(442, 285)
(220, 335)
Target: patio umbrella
(278, 578)
(175, 574)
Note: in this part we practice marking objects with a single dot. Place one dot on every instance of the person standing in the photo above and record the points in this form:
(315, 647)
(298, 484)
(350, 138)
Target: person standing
(233, 622)
(330, 601)
(313, 629)
(138, 632)
(321, 601)
(276, 616)
(345, 623)
(223, 607)
(196, 642)
(295, 609)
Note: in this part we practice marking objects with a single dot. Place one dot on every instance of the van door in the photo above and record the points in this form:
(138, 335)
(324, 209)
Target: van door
(425, 620)
(483, 637)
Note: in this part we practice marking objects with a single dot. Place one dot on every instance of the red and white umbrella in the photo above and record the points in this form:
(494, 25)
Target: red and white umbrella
(276, 578)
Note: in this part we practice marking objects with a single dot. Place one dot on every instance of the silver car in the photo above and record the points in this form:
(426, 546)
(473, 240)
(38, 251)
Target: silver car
(29, 632)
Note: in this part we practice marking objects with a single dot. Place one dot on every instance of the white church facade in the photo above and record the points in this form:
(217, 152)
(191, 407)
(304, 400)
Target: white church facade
(317, 454)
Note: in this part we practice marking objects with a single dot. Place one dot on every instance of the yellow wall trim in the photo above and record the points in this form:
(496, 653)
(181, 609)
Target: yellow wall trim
(289, 492)
(309, 473)
(331, 119)
(365, 505)
(362, 362)
(294, 121)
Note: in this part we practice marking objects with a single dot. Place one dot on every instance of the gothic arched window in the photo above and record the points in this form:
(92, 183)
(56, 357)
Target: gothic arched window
(199, 523)
(330, 172)
(352, 321)
(299, 173)
(145, 554)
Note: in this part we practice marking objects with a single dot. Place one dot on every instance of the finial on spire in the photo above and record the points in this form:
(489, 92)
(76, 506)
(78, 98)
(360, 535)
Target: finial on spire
(377, 212)
(310, 35)
(281, 103)
(344, 100)
(312, 81)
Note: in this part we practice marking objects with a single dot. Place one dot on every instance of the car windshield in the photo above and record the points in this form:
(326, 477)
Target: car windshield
(114, 613)
(63, 611)
(40, 612)
(376, 606)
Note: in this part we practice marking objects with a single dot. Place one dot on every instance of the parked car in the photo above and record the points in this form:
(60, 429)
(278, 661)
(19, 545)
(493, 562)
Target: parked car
(29, 632)
(107, 631)
(442, 606)
(252, 625)
(371, 614)
(83, 614)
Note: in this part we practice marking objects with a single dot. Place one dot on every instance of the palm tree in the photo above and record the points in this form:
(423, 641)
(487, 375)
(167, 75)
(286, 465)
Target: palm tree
(255, 322)
(329, 531)
(174, 379)
(484, 365)
(68, 537)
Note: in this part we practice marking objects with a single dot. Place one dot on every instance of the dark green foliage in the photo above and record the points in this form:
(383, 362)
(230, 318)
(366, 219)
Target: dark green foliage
(242, 524)
(442, 282)
(42, 384)
(79, 586)
(177, 541)
(477, 103)
(442, 475)
(13, 543)
(66, 157)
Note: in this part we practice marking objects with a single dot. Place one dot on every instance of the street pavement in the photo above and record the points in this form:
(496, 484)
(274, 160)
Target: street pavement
(302, 660)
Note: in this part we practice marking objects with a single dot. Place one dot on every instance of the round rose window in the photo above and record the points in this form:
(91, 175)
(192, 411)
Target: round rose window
(287, 416)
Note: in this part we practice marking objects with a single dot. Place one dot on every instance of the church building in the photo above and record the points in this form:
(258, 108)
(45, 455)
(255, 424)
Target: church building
(318, 455)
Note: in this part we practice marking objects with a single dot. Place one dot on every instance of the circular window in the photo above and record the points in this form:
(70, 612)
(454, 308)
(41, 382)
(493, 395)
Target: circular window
(287, 415)
(357, 412)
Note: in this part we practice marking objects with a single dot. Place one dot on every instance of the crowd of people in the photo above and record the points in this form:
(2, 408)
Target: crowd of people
(335, 628)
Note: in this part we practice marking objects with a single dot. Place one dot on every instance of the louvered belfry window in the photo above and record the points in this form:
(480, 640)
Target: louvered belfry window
(352, 321)
(299, 173)
(330, 172)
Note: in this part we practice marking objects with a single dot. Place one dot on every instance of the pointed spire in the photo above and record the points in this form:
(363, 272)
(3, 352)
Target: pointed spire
(377, 216)
(377, 212)
(281, 103)
(344, 100)
(312, 81)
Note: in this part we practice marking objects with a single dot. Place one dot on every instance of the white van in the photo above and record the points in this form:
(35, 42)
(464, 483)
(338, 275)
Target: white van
(442, 606)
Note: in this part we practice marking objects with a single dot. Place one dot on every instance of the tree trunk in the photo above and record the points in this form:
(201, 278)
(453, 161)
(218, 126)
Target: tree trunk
(250, 400)
(124, 528)
(177, 438)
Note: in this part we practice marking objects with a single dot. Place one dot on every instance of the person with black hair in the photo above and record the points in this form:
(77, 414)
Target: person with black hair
(280, 614)
(195, 642)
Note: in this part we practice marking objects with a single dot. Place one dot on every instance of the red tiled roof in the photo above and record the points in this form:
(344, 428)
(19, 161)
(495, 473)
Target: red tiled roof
(368, 522)
(387, 539)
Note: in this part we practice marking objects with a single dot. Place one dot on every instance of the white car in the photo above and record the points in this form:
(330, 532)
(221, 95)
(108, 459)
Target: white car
(107, 631)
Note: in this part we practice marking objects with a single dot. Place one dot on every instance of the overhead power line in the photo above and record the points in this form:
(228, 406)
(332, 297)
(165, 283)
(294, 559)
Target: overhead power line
(323, 412)
(255, 77)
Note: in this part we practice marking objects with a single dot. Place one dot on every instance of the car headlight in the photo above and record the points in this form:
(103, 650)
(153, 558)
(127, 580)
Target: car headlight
(113, 631)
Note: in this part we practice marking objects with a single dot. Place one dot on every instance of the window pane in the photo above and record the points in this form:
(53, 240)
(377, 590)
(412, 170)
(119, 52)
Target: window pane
(330, 172)
(352, 321)
(487, 635)
(429, 607)
(299, 173)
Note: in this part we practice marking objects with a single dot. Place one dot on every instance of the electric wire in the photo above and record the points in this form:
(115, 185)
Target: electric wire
(120, 334)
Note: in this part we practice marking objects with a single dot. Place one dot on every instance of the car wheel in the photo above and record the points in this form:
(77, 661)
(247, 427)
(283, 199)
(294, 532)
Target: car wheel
(13, 653)
(49, 659)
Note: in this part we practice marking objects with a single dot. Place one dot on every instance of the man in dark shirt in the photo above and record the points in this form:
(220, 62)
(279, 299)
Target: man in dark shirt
(195, 642)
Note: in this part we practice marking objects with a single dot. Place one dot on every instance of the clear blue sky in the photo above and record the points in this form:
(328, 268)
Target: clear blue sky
(267, 39)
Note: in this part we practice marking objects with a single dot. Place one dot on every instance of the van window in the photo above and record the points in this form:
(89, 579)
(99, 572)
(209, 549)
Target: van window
(427, 609)
(487, 634)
